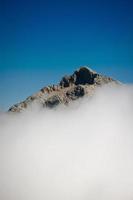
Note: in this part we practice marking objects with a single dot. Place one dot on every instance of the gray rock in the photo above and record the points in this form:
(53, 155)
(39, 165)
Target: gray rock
(84, 76)
(67, 81)
(82, 82)
(77, 92)
(53, 101)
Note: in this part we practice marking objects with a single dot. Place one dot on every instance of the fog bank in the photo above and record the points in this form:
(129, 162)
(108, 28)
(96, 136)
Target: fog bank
(82, 152)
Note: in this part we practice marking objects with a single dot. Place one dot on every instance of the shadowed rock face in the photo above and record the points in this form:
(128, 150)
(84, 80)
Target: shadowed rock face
(84, 76)
(80, 77)
(82, 82)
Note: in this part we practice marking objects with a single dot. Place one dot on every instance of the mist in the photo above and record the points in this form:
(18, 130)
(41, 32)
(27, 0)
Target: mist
(80, 152)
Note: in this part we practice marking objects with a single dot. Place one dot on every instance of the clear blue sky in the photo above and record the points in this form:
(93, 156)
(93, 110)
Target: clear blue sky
(42, 40)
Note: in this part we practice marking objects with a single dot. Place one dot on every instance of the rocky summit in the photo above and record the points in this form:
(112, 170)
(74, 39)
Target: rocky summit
(82, 82)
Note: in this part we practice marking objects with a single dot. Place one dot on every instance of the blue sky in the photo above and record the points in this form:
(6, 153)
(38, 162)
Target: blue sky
(42, 40)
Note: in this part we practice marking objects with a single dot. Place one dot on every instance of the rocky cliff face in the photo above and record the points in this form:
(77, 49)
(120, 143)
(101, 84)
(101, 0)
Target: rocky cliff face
(82, 82)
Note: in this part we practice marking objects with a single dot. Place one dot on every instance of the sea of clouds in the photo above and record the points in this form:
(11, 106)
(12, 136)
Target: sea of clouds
(80, 152)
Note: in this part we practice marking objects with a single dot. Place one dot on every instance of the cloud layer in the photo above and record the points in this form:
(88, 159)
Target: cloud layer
(84, 151)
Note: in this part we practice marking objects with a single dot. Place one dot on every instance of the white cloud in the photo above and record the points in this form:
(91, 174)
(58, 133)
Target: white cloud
(84, 151)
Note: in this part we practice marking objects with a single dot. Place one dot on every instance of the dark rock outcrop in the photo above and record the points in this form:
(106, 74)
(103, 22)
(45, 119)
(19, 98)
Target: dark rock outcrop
(53, 101)
(76, 92)
(82, 82)
(80, 77)
(84, 76)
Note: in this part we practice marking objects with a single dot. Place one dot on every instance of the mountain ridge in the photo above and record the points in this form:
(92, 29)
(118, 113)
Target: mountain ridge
(82, 82)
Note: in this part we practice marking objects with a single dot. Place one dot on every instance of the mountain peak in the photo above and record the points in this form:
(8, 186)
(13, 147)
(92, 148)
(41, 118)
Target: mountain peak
(82, 76)
(82, 82)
